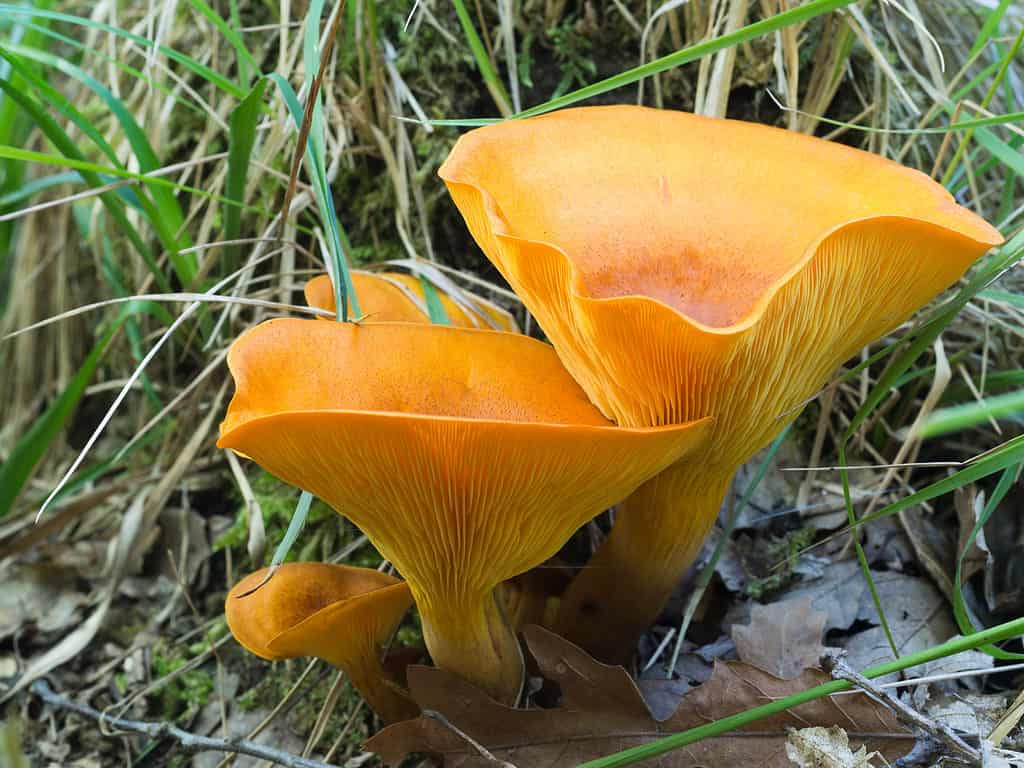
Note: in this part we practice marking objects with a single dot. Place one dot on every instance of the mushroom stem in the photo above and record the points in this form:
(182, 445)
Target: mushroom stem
(629, 579)
(382, 693)
(472, 638)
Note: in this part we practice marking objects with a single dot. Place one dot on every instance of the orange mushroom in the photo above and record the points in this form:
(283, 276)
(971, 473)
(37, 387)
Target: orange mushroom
(466, 456)
(341, 614)
(394, 296)
(684, 267)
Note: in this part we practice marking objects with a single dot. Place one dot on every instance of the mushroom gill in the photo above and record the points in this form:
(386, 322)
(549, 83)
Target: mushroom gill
(685, 267)
(450, 448)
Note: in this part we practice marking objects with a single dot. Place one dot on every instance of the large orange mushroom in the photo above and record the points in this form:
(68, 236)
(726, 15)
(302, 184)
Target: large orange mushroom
(684, 267)
(341, 614)
(398, 297)
(466, 456)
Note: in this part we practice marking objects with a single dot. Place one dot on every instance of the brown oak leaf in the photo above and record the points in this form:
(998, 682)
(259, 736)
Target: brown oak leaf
(601, 711)
(782, 638)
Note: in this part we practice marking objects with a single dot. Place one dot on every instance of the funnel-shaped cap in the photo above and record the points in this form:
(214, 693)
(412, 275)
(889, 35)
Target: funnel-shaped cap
(466, 456)
(685, 267)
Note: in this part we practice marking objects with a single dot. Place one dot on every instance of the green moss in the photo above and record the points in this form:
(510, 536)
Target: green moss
(187, 693)
(324, 535)
(771, 553)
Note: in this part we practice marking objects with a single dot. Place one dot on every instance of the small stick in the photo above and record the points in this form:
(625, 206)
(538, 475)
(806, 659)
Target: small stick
(476, 745)
(190, 742)
(840, 670)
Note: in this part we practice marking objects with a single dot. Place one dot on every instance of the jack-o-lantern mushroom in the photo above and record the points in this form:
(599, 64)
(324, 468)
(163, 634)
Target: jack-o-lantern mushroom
(341, 614)
(684, 267)
(466, 456)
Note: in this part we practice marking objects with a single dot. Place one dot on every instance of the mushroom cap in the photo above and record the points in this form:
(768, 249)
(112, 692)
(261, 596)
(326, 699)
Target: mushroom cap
(466, 456)
(685, 266)
(333, 612)
(398, 297)
(379, 299)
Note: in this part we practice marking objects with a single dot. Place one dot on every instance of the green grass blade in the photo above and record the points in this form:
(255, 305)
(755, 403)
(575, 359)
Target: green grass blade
(166, 217)
(247, 65)
(74, 158)
(295, 526)
(990, 27)
(62, 161)
(14, 130)
(30, 189)
(435, 309)
(1009, 477)
(17, 469)
(241, 140)
(1006, 455)
(768, 26)
(10, 10)
(483, 61)
(1004, 67)
(1016, 299)
(16, 57)
(960, 417)
(344, 292)
(694, 52)
(1010, 629)
(177, 95)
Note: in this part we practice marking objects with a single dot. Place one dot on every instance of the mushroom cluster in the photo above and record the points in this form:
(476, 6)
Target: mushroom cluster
(466, 456)
(699, 280)
(686, 267)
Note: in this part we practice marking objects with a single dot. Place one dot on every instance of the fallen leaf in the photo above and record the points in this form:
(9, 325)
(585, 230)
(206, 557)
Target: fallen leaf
(918, 615)
(818, 747)
(970, 503)
(39, 594)
(601, 712)
(782, 639)
(969, 713)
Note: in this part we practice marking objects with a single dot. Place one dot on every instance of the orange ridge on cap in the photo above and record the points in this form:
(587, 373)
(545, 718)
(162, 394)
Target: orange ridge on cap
(685, 267)
(341, 614)
(451, 449)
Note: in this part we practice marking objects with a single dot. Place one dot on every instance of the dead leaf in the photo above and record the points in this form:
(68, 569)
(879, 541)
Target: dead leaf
(971, 713)
(782, 639)
(73, 643)
(601, 712)
(41, 594)
(819, 747)
(918, 615)
(969, 505)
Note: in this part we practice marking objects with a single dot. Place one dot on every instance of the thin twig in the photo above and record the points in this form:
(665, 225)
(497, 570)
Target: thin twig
(840, 670)
(477, 746)
(190, 742)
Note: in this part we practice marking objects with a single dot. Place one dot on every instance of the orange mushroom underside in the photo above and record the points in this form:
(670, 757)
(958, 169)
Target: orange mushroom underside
(466, 456)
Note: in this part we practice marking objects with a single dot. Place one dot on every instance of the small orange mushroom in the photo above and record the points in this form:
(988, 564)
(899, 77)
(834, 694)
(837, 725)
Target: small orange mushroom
(684, 267)
(341, 614)
(466, 456)
(398, 297)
